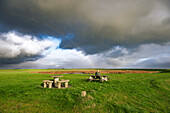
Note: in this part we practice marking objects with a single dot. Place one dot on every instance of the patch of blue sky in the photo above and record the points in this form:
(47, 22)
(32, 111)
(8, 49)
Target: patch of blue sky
(53, 39)
(56, 40)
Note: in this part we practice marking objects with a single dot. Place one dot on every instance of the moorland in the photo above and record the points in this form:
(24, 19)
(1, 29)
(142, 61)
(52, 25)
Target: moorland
(21, 91)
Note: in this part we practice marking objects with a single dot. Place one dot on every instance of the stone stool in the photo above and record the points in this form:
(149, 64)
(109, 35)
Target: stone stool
(83, 93)
(50, 84)
(45, 83)
(66, 83)
(92, 77)
(59, 84)
(104, 78)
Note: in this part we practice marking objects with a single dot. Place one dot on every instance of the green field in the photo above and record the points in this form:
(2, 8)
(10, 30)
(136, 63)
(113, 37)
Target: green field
(21, 91)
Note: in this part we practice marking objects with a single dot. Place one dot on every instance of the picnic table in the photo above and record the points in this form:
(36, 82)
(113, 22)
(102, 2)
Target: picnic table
(56, 79)
(57, 83)
(100, 78)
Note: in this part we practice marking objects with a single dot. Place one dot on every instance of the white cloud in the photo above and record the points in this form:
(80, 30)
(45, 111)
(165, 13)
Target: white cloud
(13, 44)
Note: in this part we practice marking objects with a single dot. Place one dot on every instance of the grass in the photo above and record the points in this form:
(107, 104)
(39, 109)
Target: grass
(21, 91)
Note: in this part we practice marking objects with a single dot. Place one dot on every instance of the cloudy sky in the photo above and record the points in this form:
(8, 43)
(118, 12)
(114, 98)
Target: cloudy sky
(84, 33)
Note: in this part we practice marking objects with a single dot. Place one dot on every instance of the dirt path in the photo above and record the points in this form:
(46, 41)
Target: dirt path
(93, 71)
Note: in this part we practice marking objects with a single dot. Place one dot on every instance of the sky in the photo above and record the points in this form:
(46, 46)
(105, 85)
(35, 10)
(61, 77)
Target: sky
(84, 34)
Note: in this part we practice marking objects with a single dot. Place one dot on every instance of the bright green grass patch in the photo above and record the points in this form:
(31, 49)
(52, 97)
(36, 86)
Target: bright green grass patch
(21, 91)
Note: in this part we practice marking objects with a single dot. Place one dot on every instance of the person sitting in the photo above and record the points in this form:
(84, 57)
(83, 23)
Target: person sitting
(97, 74)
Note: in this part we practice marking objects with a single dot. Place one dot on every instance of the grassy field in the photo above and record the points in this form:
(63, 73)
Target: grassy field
(21, 91)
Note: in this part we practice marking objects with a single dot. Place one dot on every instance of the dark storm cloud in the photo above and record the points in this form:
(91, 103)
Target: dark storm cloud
(96, 25)
(19, 59)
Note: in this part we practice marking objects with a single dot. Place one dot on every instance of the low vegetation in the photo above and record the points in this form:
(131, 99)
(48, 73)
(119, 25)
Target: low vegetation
(21, 91)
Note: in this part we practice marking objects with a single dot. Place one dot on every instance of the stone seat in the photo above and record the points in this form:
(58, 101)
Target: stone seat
(61, 82)
(47, 82)
(92, 77)
(104, 78)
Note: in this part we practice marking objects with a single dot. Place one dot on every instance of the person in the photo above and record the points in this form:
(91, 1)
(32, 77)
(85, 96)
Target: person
(97, 73)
